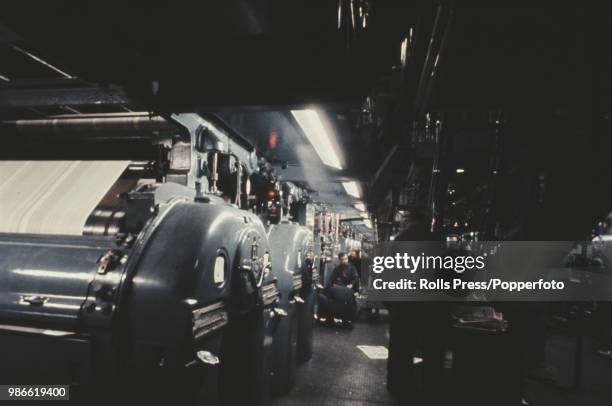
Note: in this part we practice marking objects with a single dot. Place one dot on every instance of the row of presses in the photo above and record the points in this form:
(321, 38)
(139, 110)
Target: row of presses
(192, 280)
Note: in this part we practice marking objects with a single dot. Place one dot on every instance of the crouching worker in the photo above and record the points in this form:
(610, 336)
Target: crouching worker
(337, 301)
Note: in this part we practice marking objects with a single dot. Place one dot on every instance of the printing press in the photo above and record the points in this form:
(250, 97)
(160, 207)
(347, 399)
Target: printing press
(128, 268)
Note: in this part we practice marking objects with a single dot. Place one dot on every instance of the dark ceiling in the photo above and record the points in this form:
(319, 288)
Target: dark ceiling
(213, 53)
(252, 61)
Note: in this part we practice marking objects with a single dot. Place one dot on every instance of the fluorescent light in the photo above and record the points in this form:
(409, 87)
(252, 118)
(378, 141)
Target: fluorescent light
(368, 223)
(460, 170)
(360, 206)
(352, 189)
(314, 130)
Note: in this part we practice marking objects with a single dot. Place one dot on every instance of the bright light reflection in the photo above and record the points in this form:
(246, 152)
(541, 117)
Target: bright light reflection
(352, 189)
(360, 206)
(313, 128)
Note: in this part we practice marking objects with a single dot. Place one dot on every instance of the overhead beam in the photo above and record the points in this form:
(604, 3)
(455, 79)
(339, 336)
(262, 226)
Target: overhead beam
(20, 98)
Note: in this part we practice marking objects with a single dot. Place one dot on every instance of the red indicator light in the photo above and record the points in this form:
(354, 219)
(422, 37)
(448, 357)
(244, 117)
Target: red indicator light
(273, 139)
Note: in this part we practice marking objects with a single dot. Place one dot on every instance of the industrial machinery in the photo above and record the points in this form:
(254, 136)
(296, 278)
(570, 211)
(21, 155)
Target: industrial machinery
(291, 243)
(292, 261)
(288, 327)
(294, 238)
(128, 275)
(327, 225)
(307, 310)
(303, 211)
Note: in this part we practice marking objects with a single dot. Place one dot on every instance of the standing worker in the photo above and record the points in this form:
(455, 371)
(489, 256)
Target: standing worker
(417, 325)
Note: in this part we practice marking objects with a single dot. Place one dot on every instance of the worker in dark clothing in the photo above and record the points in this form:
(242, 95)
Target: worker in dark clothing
(345, 273)
(355, 259)
(414, 326)
(338, 299)
(417, 325)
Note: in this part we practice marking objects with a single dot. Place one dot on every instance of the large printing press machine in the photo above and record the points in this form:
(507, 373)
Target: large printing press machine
(151, 258)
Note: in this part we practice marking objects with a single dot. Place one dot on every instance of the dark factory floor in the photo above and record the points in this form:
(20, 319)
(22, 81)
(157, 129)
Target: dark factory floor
(340, 374)
(596, 376)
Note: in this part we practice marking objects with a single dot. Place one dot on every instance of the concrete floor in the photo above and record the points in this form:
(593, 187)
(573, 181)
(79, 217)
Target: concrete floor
(339, 374)
(596, 382)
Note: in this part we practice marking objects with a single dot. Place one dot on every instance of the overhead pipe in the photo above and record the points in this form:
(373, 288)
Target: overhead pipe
(116, 125)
